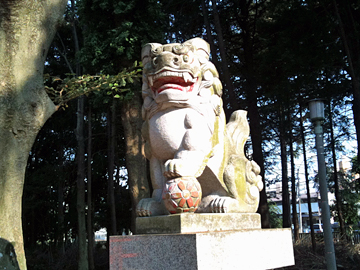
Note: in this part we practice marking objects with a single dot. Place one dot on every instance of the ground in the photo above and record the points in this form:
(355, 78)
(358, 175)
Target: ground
(347, 256)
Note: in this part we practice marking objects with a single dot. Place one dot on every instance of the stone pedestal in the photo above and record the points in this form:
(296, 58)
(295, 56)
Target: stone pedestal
(219, 244)
(194, 223)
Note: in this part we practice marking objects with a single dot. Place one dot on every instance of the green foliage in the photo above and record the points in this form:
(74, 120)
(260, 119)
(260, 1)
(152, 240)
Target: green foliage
(117, 86)
(275, 215)
(179, 27)
(114, 32)
(350, 197)
(355, 165)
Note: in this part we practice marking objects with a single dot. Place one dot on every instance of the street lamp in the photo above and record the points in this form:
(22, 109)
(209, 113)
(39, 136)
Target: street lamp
(316, 107)
(317, 116)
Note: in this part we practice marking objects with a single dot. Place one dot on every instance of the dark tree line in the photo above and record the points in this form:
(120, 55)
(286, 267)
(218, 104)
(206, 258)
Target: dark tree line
(272, 56)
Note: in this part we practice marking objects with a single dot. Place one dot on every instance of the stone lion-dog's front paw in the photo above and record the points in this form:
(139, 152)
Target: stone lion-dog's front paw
(179, 168)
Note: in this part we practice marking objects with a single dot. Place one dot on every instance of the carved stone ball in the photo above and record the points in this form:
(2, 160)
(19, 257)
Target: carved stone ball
(182, 195)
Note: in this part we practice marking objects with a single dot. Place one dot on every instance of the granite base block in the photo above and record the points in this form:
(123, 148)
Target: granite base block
(253, 249)
(192, 223)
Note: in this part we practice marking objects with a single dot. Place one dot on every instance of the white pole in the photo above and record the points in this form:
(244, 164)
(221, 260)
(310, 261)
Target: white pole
(299, 196)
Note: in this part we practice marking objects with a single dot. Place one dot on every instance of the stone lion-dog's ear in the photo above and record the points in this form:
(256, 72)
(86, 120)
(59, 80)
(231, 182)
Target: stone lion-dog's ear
(148, 50)
(201, 46)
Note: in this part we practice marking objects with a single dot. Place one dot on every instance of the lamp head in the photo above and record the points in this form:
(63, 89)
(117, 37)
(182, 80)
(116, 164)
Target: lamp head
(316, 107)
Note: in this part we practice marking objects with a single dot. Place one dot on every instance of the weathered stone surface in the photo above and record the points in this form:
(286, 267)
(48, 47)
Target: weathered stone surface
(192, 223)
(186, 134)
(228, 250)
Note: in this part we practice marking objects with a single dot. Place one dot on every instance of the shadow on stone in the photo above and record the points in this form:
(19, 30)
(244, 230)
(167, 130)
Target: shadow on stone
(8, 259)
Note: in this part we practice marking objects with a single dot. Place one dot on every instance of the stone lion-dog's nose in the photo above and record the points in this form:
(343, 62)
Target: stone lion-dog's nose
(167, 59)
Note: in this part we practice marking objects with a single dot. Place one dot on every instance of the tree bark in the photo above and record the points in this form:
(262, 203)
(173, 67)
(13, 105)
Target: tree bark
(90, 231)
(256, 139)
(313, 241)
(210, 39)
(60, 227)
(336, 178)
(284, 172)
(353, 64)
(228, 88)
(26, 31)
(135, 160)
(251, 99)
(83, 263)
(111, 161)
(80, 184)
(293, 186)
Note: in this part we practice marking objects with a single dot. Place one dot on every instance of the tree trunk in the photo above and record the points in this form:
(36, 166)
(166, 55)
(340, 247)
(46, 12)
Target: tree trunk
(83, 263)
(353, 63)
(210, 39)
(228, 88)
(135, 159)
(111, 161)
(26, 32)
(293, 186)
(90, 232)
(251, 99)
(80, 184)
(284, 172)
(256, 139)
(60, 227)
(313, 241)
(336, 179)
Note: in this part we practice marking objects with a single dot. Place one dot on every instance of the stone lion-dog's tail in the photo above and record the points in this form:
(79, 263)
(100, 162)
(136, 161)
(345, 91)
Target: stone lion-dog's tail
(241, 176)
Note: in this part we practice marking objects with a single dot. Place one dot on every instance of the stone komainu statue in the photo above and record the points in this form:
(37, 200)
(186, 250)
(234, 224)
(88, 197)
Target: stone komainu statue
(197, 162)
